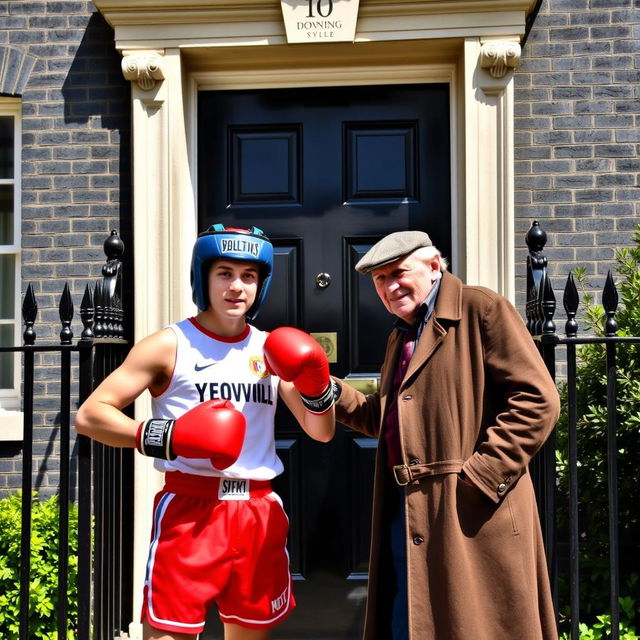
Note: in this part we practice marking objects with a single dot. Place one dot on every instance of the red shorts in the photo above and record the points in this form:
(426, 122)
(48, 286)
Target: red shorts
(217, 541)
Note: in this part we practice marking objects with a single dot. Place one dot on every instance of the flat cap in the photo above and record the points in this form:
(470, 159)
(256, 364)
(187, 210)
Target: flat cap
(391, 248)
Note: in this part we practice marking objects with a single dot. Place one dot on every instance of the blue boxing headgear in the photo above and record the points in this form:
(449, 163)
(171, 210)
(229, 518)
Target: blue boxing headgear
(247, 245)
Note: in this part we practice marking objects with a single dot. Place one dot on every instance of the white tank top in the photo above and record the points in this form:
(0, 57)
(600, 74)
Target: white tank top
(209, 367)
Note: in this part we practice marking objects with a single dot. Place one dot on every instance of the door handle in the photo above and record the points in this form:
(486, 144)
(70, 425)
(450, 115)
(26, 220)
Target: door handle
(364, 385)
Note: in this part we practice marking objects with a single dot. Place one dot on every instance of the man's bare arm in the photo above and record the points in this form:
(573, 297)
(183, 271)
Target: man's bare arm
(147, 366)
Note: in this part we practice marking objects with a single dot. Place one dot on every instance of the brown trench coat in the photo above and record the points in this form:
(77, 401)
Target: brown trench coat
(476, 396)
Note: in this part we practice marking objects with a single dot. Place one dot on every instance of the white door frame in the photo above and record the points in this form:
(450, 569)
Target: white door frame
(170, 52)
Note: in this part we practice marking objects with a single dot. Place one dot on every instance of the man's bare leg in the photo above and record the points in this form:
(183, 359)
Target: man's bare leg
(236, 632)
(149, 633)
(231, 632)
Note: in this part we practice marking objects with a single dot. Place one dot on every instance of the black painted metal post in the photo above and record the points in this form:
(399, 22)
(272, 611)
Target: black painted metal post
(610, 304)
(547, 454)
(29, 312)
(85, 480)
(27, 465)
(85, 587)
(571, 331)
(540, 309)
(66, 335)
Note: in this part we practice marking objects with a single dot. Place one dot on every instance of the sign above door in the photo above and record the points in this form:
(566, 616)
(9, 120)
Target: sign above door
(320, 20)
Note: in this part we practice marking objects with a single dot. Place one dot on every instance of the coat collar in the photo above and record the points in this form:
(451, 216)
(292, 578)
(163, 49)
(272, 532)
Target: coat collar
(449, 302)
(448, 309)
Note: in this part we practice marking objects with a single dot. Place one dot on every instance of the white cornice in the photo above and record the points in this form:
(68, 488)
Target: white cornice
(171, 23)
(163, 11)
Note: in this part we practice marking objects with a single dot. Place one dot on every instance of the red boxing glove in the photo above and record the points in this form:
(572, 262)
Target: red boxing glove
(214, 429)
(296, 357)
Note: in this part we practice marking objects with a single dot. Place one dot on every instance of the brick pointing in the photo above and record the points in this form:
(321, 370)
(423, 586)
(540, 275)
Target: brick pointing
(76, 132)
(59, 57)
(577, 155)
(576, 150)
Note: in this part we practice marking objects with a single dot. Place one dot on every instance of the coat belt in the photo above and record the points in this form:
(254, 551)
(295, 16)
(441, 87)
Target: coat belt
(404, 474)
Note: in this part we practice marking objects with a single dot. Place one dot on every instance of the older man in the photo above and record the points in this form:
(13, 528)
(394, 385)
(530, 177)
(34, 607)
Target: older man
(465, 401)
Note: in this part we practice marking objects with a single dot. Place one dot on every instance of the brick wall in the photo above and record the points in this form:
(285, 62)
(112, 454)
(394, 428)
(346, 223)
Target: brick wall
(576, 135)
(577, 139)
(59, 57)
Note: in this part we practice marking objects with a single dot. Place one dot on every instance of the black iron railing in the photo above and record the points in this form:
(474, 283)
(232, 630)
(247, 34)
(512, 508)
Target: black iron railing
(104, 475)
(540, 314)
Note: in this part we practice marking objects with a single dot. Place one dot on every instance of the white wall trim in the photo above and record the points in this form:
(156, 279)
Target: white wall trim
(11, 418)
(488, 252)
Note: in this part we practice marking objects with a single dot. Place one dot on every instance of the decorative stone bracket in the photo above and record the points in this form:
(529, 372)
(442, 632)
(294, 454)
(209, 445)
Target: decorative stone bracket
(499, 57)
(143, 68)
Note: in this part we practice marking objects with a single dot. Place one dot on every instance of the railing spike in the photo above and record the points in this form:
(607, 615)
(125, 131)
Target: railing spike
(548, 307)
(109, 312)
(98, 301)
(531, 296)
(610, 305)
(570, 303)
(29, 313)
(86, 314)
(118, 329)
(65, 309)
(537, 310)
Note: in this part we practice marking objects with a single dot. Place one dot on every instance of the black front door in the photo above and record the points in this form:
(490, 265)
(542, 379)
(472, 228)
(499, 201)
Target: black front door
(326, 172)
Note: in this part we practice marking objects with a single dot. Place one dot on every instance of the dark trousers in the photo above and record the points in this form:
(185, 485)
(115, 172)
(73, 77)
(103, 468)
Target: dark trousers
(398, 540)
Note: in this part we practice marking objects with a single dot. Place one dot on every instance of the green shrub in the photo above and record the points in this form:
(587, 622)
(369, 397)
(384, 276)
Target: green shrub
(43, 597)
(592, 453)
(602, 627)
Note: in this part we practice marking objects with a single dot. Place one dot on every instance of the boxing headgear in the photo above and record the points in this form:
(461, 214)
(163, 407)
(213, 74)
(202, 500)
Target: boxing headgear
(247, 245)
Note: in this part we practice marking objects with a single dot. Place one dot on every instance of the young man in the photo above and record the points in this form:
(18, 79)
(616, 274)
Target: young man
(219, 531)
